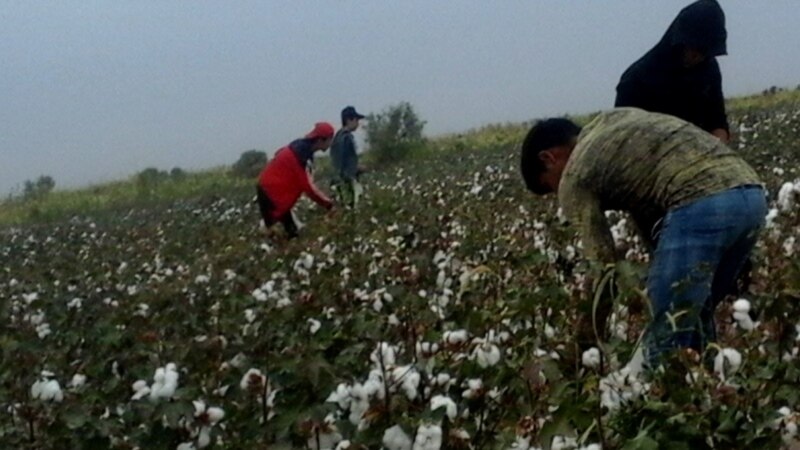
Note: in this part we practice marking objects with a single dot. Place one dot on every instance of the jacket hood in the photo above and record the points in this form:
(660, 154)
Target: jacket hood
(701, 26)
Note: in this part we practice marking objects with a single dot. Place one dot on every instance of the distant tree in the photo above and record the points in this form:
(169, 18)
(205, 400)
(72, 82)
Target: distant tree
(39, 188)
(150, 177)
(249, 164)
(394, 132)
(177, 173)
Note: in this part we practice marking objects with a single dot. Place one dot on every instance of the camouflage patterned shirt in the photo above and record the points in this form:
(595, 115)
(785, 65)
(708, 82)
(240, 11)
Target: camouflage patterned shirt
(643, 163)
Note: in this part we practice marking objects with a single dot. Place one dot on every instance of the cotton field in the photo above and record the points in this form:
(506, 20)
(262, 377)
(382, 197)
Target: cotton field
(443, 313)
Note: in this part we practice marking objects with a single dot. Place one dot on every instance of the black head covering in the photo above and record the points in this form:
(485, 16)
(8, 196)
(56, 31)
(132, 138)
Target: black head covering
(700, 26)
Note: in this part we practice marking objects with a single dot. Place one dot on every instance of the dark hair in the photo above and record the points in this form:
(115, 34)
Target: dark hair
(544, 135)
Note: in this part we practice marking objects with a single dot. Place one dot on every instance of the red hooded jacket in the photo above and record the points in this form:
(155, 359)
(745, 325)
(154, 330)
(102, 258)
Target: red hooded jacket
(285, 178)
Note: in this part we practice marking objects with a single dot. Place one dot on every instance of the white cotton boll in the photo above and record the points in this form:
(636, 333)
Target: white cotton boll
(47, 390)
(474, 388)
(521, 443)
(591, 358)
(772, 214)
(314, 325)
(487, 355)
(395, 438)
(429, 437)
(36, 389)
(563, 443)
(141, 390)
(215, 414)
(249, 315)
(253, 378)
(199, 407)
(75, 303)
(787, 196)
(340, 396)
(788, 246)
(384, 354)
(43, 330)
(744, 321)
(393, 320)
(186, 446)
(742, 305)
(455, 337)
(259, 295)
(139, 385)
(591, 447)
(78, 380)
(204, 438)
(620, 387)
(442, 379)
(727, 362)
(343, 445)
(442, 401)
(409, 379)
(201, 279)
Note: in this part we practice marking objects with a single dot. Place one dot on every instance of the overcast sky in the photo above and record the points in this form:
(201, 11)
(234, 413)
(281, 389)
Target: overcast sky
(92, 91)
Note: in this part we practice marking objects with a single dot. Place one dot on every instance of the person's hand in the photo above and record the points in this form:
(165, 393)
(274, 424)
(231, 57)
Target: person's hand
(332, 211)
(722, 134)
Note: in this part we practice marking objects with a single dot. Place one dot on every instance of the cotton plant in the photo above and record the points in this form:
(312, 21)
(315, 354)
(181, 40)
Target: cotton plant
(256, 383)
(786, 424)
(206, 417)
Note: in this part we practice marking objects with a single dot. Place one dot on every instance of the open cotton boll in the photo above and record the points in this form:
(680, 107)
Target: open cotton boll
(742, 305)
(47, 390)
(486, 355)
(442, 401)
(455, 337)
(165, 382)
(727, 362)
(253, 379)
(744, 321)
(140, 389)
(563, 443)
(215, 414)
(429, 437)
(78, 380)
(395, 438)
(788, 195)
(591, 358)
(384, 354)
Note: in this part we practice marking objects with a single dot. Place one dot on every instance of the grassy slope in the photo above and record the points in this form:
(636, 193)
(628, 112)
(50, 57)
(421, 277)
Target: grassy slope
(119, 195)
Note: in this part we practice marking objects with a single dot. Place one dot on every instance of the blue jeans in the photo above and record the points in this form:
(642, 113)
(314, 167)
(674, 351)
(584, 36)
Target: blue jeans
(701, 250)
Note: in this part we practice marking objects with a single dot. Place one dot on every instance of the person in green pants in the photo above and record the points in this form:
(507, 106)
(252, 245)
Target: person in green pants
(344, 159)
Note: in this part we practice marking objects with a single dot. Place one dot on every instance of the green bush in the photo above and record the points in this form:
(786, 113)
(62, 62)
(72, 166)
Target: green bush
(249, 164)
(392, 134)
(38, 189)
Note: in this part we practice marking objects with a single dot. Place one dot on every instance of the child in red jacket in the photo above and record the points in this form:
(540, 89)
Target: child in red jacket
(287, 176)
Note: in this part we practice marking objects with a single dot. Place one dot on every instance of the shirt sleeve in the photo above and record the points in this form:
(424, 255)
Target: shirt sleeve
(312, 191)
(582, 209)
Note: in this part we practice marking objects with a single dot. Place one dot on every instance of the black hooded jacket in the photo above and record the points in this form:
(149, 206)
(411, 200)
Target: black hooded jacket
(659, 82)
